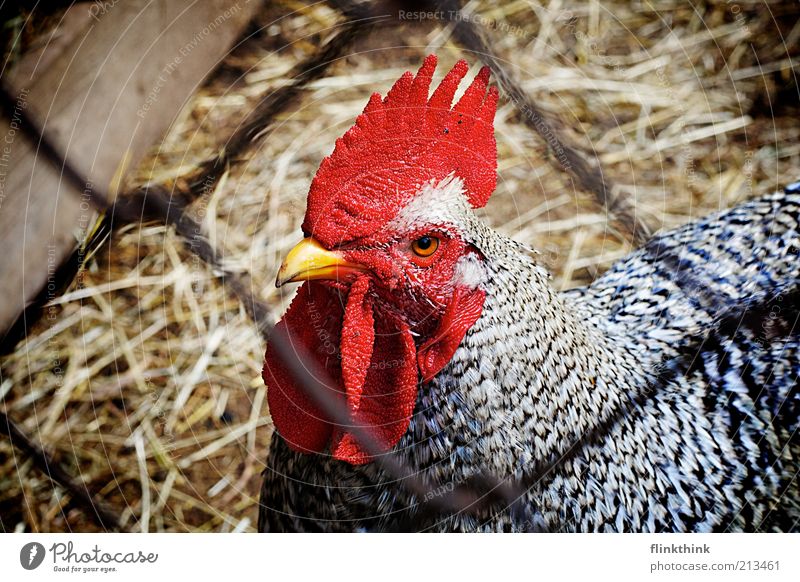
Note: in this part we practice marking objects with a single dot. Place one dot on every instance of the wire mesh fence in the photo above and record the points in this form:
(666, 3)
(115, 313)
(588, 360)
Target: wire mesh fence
(172, 205)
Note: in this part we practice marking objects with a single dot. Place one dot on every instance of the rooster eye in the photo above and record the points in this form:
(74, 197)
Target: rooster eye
(425, 246)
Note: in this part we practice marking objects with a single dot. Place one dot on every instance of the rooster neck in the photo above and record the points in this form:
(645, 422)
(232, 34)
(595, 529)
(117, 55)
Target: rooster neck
(532, 376)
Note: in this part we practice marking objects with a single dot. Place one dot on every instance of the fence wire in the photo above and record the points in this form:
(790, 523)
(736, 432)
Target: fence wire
(157, 203)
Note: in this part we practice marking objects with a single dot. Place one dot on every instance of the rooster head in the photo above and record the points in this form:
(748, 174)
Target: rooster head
(392, 275)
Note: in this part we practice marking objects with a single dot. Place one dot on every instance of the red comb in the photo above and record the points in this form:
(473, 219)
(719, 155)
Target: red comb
(400, 143)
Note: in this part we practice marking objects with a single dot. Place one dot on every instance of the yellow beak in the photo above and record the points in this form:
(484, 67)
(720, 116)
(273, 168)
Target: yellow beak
(309, 260)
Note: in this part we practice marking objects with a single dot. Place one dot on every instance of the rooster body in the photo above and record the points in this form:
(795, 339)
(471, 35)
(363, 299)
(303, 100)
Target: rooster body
(663, 397)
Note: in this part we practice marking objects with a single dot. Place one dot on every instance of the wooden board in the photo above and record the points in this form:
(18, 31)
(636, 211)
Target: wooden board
(106, 88)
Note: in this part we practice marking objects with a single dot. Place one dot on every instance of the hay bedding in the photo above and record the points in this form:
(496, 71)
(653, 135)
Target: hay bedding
(144, 377)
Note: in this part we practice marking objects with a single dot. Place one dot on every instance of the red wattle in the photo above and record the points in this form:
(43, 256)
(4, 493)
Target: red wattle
(461, 314)
(388, 395)
(313, 320)
(374, 360)
(375, 366)
(358, 338)
(380, 376)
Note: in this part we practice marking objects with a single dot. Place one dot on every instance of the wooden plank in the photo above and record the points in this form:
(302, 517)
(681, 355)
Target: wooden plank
(105, 99)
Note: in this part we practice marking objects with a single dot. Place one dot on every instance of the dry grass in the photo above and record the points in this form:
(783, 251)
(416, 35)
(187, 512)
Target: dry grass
(144, 378)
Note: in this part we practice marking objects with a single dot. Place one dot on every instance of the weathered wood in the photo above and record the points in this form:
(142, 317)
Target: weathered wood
(109, 96)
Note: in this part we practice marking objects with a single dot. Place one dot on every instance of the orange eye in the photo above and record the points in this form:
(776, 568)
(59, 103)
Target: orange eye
(425, 246)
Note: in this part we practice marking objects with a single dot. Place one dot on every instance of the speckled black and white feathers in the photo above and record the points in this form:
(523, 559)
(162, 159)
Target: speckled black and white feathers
(663, 397)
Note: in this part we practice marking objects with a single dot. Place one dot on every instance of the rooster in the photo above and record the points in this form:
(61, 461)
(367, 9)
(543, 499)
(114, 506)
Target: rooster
(662, 397)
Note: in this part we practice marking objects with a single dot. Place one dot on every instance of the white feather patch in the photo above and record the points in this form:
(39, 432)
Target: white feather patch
(469, 272)
(444, 203)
